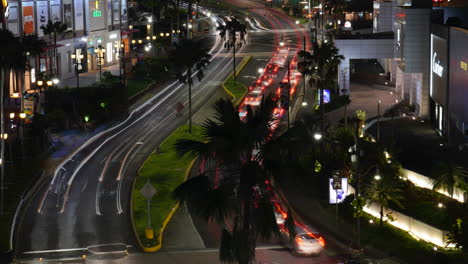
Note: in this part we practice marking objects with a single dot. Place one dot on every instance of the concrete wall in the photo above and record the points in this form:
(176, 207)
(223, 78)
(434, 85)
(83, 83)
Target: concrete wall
(415, 49)
(360, 49)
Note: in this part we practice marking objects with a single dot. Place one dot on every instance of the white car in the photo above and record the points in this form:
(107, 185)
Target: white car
(308, 244)
(279, 218)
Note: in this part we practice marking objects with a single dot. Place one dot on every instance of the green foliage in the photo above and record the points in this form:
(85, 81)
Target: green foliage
(165, 172)
(70, 105)
(447, 175)
(154, 68)
(358, 204)
(360, 114)
(238, 89)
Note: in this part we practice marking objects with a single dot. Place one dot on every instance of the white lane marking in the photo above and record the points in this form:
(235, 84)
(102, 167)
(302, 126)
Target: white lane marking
(98, 197)
(54, 250)
(94, 138)
(119, 177)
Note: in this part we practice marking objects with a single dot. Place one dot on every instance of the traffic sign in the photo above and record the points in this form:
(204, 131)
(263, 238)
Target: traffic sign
(148, 191)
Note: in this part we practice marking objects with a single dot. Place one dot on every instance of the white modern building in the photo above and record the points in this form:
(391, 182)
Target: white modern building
(91, 23)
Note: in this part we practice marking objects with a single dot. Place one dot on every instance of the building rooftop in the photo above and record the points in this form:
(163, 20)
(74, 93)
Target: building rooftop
(380, 35)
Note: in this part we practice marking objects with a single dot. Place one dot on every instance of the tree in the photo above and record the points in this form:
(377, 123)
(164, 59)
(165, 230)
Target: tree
(324, 66)
(230, 29)
(54, 29)
(12, 59)
(189, 54)
(239, 200)
(383, 192)
(32, 46)
(446, 175)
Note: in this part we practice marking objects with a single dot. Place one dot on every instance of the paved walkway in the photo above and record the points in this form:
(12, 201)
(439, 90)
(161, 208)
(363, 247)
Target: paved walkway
(89, 78)
(364, 98)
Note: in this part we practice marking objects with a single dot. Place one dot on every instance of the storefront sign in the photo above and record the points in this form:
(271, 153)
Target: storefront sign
(437, 68)
(28, 18)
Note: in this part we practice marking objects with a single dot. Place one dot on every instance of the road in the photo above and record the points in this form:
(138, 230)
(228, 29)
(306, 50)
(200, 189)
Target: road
(86, 201)
(85, 204)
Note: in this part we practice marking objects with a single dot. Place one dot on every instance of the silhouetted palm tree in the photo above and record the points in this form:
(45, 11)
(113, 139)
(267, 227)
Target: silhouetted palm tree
(239, 201)
(231, 28)
(187, 55)
(54, 29)
(12, 59)
(33, 47)
(383, 192)
(447, 175)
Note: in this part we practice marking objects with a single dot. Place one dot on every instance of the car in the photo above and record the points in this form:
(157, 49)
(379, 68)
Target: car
(257, 90)
(308, 244)
(279, 218)
(253, 99)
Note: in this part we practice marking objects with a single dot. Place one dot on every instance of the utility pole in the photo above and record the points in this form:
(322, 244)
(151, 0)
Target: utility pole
(378, 121)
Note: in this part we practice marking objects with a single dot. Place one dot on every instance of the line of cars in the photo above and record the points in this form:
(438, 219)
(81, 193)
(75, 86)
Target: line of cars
(306, 241)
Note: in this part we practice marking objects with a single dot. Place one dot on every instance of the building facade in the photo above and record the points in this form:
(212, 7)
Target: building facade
(91, 24)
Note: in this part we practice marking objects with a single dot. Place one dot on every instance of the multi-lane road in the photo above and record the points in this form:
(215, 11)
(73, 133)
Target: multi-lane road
(85, 203)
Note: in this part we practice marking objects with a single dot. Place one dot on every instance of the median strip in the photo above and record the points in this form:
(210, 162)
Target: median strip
(165, 171)
(236, 89)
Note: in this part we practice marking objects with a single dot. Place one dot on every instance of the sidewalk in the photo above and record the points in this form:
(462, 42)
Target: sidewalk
(364, 98)
(89, 78)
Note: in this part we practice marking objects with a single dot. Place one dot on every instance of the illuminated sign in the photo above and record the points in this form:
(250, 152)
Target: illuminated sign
(436, 67)
(337, 195)
(97, 12)
(463, 65)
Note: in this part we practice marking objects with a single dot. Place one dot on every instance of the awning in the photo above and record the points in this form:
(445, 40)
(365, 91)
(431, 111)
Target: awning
(128, 32)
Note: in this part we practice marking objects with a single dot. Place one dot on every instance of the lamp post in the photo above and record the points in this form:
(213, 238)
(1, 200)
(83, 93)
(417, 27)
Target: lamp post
(77, 62)
(378, 121)
(100, 51)
(22, 118)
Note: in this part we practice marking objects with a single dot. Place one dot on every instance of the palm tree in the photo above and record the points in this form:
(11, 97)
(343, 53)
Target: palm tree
(187, 55)
(323, 66)
(54, 29)
(232, 27)
(33, 46)
(446, 175)
(239, 201)
(383, 192)
(12, 58)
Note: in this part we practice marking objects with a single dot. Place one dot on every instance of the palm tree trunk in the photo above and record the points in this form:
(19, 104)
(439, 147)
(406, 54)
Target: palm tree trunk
(190, 98)
(234, 60)
(381, 215)
(2, 147)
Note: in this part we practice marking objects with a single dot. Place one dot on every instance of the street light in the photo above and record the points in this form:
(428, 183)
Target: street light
(12, 115)
(100, 51)
(260, 70)
(377, 176)
(317, 136)
(77, 62)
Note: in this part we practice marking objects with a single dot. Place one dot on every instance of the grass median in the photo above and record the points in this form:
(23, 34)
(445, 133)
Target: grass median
(237, 89)
(165, 171)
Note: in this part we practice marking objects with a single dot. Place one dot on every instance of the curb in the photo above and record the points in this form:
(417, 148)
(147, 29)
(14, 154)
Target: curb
(169, 216)
(239, 68)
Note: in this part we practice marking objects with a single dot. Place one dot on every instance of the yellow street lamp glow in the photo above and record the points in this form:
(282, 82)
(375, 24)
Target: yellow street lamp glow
(140, 41)
(12, 115)
(96, 50)
(148, 26)
(154, 37)
(148, 37)
(103, 50)
(40, 83)
(133, 41)
(161, 34)
(81, 56)
(73, 56)
(49, 83)
(15, 95)
(5, 136)
(130, 27)
(122, 45)
(167, 34)
(55, 80)
(22, 115)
